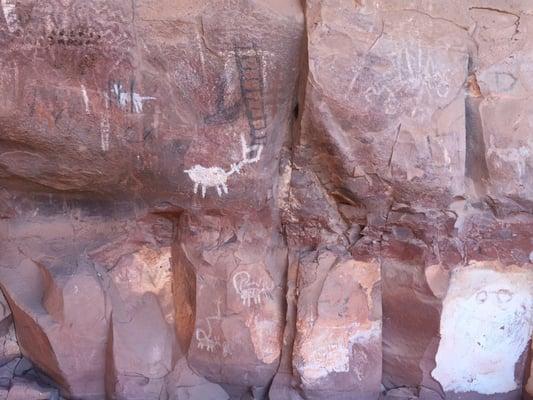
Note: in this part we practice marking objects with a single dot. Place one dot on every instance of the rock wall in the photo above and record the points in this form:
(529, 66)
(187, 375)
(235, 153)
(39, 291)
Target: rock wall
(266, 199)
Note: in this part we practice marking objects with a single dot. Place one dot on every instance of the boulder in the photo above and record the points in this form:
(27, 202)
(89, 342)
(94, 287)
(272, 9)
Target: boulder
(61, 324)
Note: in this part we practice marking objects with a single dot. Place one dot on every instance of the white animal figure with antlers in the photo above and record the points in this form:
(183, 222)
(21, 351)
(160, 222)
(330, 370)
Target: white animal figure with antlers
(206, 177)
(205, 339)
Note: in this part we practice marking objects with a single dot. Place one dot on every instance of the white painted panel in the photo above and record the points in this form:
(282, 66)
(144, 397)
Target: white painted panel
(485, 326)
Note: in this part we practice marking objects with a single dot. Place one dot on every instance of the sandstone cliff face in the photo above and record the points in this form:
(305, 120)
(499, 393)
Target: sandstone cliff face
(266, 199)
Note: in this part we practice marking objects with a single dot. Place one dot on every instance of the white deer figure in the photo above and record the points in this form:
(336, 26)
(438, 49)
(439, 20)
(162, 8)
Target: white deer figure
(206, 177)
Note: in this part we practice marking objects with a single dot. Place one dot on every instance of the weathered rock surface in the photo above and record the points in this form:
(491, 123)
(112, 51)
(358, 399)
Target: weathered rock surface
(266, 199)
(239, 320)
(142, 352)
(407, 166)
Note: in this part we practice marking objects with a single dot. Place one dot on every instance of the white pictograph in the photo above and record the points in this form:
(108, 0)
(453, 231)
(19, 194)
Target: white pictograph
(250, 291)
(85, 99)
(420, 69)
(125, 98)
(413, 71)
(206, 177)
(486, 317)
(252, 72)
(391, 104)
(105, 127)
(226, 349)
(206, 341)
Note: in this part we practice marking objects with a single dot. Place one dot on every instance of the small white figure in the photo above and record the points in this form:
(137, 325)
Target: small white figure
(85, 99)
(205, 342)
(248, 150)
(226, 350)
(105, 129)
(124, 98)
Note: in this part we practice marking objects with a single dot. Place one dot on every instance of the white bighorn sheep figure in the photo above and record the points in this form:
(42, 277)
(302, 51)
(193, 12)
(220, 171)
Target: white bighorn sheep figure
(206, 177)
(205, 339)
(249, 291)
(205, 342)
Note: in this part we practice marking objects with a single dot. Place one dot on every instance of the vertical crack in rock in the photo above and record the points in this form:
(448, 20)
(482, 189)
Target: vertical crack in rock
(475, 162)
(184, 288)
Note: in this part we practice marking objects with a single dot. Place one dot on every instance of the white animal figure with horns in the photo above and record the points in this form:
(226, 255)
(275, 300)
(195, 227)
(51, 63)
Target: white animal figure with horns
(206, 177)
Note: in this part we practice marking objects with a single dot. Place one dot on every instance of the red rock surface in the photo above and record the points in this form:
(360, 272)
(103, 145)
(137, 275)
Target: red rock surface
(266, 199)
